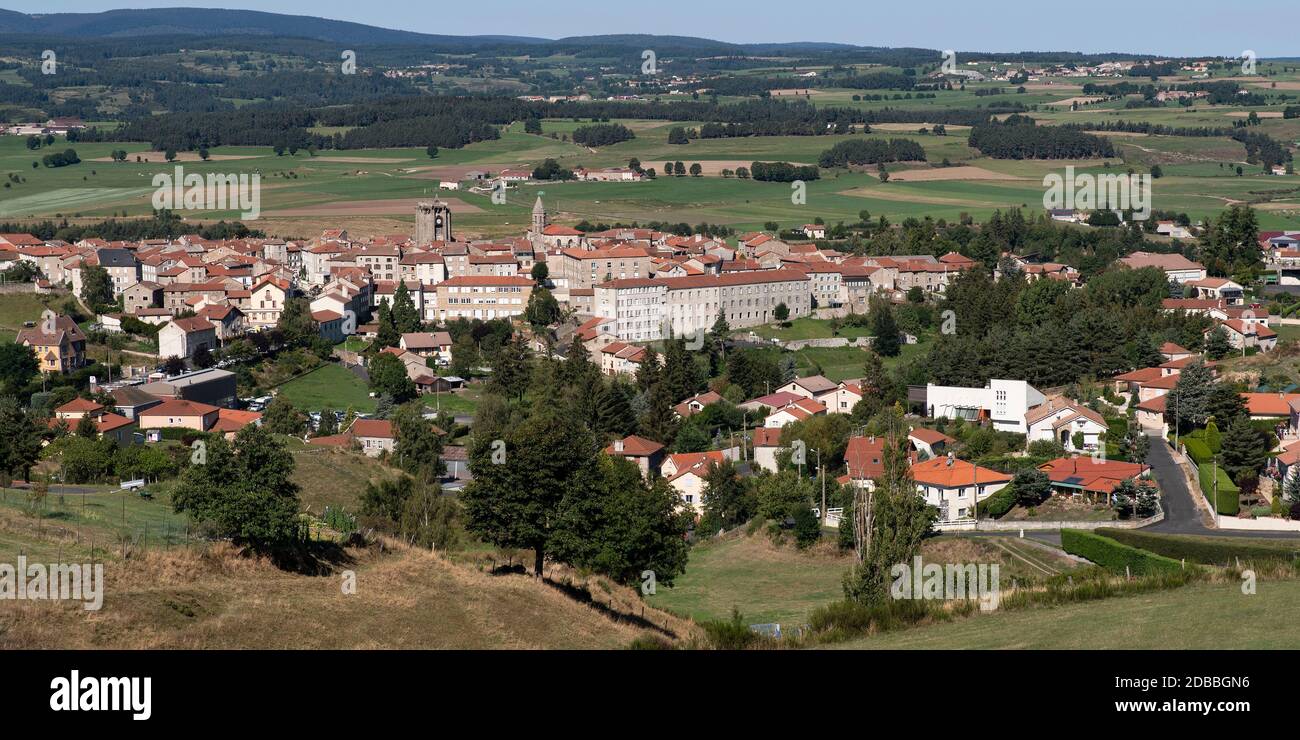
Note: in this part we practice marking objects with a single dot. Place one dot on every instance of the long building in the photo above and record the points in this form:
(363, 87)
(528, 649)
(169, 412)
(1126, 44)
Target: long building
(643, 309)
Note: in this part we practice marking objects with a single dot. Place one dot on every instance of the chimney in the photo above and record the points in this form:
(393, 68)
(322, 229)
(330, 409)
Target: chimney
(618, 445)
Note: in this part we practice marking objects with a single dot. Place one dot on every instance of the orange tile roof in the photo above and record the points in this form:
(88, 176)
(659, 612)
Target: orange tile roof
(939, 473)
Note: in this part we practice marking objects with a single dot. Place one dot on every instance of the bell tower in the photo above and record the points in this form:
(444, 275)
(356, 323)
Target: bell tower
(539, 217)
(432, 222)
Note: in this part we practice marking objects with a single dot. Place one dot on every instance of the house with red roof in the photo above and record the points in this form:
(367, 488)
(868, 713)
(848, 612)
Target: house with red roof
(184, 337)
(804, 408)
(1075, 426)
(1084, 475)
(766, 442)
(1243, 334)
(686, 473)
(864, 459)
(695, 404)
(955, 486)
(930, 442)
(178, 413)
(646, 453)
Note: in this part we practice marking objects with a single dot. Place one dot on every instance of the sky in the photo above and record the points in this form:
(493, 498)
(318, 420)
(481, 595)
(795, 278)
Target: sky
(1160, 27)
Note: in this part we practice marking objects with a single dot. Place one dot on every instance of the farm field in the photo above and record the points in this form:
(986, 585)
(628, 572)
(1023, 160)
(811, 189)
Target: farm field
(371, 190)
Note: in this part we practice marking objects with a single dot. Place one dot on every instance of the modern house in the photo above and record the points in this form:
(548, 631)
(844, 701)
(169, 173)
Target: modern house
(1004, 403)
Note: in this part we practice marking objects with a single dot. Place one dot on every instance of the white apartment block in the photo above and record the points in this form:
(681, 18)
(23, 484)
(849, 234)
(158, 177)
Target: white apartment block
(643, 309)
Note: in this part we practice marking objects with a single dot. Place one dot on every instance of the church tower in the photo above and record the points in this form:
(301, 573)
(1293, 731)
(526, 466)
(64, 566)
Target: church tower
(432, 222)
(539, 217)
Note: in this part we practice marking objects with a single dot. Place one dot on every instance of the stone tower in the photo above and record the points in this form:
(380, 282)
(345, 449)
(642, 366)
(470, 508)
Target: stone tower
(432, 222)
(539, 217)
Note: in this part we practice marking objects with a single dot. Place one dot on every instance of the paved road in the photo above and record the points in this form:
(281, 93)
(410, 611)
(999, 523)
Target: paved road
(1181, 513)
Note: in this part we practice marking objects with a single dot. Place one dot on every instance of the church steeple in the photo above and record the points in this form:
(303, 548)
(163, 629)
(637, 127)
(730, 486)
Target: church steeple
(539, 217)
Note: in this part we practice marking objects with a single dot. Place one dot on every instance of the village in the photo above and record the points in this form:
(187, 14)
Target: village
(617, 294)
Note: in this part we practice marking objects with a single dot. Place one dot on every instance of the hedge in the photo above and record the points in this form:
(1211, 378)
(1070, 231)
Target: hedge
(998, 504)
(1198, 450)
(1205, 550)
(1229, 499)
(1115, 556)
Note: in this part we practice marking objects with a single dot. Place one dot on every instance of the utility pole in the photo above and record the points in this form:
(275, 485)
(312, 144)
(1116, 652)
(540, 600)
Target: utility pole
(821, 473)
(1216, 491)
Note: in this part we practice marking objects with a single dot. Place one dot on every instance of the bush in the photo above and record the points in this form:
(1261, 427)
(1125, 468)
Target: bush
(1115, 556)
(1204, 550)
(998, 504)
(1229, 495)
(807, 528)
(1198, 450)
(729, 634)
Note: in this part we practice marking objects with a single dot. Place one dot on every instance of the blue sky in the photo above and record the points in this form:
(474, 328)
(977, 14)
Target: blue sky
(1174, 27)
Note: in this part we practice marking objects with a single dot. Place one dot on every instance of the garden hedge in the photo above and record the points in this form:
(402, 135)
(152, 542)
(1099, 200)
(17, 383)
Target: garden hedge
(1115, 556)
(1198, 450)
(1229, 498)
(1205, 550)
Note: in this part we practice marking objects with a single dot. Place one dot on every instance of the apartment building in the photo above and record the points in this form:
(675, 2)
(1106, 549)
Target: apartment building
(482, 297)
(642, 309)
(586, 268)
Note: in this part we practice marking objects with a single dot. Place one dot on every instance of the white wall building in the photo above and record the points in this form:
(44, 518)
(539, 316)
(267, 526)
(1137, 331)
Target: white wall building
(1003, 402)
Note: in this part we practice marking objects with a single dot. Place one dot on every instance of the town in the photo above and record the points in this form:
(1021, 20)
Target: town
(700, 346)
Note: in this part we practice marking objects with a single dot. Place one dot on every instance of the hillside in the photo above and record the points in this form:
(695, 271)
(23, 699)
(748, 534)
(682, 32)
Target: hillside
(221, 22)
(183, 599)
(1219, 615)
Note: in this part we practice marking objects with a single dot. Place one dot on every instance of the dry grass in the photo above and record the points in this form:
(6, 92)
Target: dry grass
(218, 598)
(950, 173)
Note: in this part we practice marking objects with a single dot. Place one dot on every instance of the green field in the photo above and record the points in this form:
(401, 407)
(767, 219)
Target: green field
(1222, 617)
(766, 583)
(335, 387)
(71, 523)
(770, 583)
(329, 386)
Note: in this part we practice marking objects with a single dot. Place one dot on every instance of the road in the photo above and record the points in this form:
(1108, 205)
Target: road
(1181, 513)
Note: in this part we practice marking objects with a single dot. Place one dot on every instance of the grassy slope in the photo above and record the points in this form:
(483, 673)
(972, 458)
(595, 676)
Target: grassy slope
(1222, 615)
(405, 599)
(768, 583)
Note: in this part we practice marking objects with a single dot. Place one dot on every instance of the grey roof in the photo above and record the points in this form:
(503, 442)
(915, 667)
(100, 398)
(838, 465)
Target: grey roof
(130, 395)
(115, 258)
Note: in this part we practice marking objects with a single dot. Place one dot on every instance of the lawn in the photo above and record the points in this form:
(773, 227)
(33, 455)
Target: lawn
(15, 308)
(1224, 618)
(808, 328)
(331, 477)
(842, 363)
(765, 582)
(329, 386)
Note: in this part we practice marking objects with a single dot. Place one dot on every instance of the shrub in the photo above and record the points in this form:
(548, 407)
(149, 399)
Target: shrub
(729, 634)
(1204, 550)
(1229, 495)
(1115, 556)
(1198, 450)
(998, 504)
